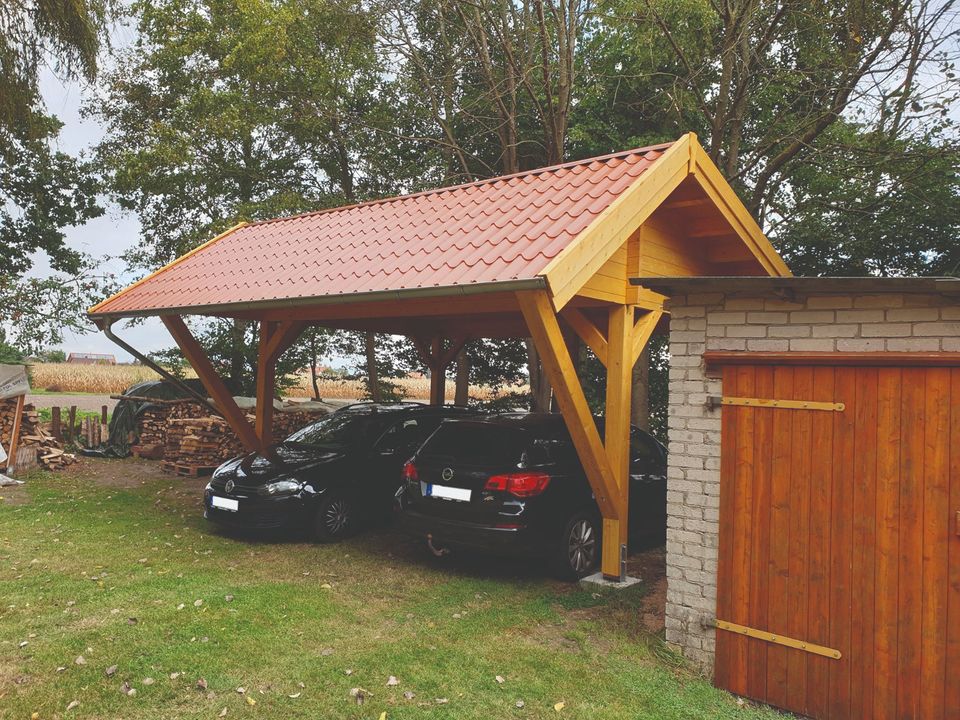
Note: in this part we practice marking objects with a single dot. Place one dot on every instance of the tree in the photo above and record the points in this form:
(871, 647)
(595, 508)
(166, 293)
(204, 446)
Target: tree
(225, 111)
(498, 78)
(63, 33)
(43, 190)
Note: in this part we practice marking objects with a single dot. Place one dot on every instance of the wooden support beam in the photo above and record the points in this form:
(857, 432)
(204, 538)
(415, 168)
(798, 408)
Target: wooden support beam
(438, 381)
(211, 381)
(548, 339)
(284, 335)
(642, 332)
(617, 434)
(588, 332)
(15, 435)
(266, 382)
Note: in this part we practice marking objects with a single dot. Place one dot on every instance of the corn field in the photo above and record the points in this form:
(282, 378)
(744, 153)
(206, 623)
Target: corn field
(113, 379)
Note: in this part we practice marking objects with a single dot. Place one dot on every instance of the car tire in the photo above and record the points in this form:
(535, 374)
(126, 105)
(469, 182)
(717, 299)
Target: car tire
(335, 518)
(578, 550)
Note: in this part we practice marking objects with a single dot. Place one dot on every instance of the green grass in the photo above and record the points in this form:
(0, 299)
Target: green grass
(99, 570)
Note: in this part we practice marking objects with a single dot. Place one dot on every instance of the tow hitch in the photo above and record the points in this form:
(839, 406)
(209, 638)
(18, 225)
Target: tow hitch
(438, 552)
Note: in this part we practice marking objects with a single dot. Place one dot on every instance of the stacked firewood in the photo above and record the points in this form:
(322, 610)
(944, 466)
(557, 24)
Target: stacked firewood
(204, 441)
(50, 453)
(209, 440)
(152, 433)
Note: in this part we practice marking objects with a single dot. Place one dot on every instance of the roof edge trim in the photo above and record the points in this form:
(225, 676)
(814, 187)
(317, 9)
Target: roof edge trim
(509, 286)
(95, 310)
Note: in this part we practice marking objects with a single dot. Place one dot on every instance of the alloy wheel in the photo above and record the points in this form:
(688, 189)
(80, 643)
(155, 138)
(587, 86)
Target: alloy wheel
(582, 546)
(336, 516)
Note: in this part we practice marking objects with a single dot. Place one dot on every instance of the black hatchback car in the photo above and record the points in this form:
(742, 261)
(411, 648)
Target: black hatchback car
(514, 485)
(330, 477)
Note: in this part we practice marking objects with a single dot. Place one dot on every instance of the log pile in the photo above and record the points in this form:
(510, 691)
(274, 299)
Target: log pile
(50, 453)
(203, 442)
(208, 440)
(152, 433)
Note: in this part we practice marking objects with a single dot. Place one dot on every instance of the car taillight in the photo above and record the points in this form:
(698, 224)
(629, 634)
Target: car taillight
(410, 472)
(519, 484)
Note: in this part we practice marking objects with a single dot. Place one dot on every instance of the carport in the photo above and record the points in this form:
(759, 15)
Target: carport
(546, 254)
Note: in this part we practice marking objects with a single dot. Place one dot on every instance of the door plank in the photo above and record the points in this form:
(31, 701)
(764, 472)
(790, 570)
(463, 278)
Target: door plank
(820, 488)
(936, 529)
(888, 535)
(846, 390)
(910, 550)
(862, 611)
(952, 692)
(728, 433)
(798, 564)
(780, 510)
(760, 538)
(742, 524)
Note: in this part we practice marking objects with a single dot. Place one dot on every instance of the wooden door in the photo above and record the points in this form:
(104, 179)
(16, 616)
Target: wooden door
(841, 529)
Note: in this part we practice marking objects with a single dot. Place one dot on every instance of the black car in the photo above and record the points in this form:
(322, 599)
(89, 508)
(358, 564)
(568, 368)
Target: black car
(329, 477)
(514, 485)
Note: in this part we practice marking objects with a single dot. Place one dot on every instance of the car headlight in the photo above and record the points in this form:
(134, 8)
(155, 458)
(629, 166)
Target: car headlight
(283, 487)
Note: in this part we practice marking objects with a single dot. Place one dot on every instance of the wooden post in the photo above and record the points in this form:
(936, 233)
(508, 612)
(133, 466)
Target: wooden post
(103, 414)
(72, 423)
(617, 434)
(438, 380)
(198, 359)
(55, 423)
(15, 435)
(266, 367)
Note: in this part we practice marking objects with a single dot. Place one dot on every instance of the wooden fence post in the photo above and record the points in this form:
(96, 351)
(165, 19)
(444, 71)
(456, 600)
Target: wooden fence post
(55, 423)
(72, 425)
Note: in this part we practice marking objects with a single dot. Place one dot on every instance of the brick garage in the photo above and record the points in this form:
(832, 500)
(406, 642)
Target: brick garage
(828, 333)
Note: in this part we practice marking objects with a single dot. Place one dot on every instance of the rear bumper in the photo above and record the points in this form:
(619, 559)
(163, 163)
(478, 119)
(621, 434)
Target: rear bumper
(521, 540)
(292, 511)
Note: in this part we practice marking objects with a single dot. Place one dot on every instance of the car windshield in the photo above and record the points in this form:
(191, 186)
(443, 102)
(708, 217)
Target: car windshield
(338, 429)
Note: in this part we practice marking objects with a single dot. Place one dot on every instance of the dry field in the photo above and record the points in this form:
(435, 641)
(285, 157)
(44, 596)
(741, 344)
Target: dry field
(112, 379)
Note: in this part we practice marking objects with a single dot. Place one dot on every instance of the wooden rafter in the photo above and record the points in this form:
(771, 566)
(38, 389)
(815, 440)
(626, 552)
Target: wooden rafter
(211, 381)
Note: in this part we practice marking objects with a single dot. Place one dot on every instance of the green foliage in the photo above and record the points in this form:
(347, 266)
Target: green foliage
(225, 111)
(64, 34)
(9, 355)
(868, 205)
(53, 356)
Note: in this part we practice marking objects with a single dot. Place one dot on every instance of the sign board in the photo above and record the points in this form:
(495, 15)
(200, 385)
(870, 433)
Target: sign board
(13, 381)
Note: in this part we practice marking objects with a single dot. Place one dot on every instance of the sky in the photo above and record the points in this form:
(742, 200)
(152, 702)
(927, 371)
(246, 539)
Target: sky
(110, 234)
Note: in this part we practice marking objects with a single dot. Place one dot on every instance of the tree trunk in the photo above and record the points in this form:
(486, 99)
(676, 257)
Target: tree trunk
(539, 385)
(238, 355)
(640, 392)
(462, 393)
(373, 381)
(313, 367)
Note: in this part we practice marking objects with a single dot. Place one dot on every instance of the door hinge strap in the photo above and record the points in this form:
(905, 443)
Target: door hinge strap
(778, 639)
(713, 401)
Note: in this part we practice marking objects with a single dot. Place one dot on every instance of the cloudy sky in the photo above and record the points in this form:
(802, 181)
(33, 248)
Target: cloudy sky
(109, 235)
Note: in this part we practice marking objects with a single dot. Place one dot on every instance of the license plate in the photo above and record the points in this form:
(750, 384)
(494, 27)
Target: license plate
(448, 493)
(225, 503)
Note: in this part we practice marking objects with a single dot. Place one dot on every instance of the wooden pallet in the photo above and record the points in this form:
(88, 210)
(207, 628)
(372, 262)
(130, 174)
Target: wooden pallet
(192, 470)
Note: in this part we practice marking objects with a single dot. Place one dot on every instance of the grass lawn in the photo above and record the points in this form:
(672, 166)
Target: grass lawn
(111, 564)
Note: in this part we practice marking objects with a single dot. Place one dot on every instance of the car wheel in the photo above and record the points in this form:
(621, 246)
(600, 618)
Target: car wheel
(334, 520)
(578, 553)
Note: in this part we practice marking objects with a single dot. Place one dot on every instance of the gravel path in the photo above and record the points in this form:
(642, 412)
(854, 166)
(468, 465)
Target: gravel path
(89, 403)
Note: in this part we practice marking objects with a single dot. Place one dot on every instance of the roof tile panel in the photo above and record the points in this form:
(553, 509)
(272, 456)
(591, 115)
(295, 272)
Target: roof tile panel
(489, 231)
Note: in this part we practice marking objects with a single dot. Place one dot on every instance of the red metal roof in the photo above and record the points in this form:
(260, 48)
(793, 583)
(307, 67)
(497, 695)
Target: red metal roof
(492, 231)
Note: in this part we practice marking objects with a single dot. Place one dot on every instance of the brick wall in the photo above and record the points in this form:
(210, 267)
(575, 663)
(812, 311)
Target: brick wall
(822, 323)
